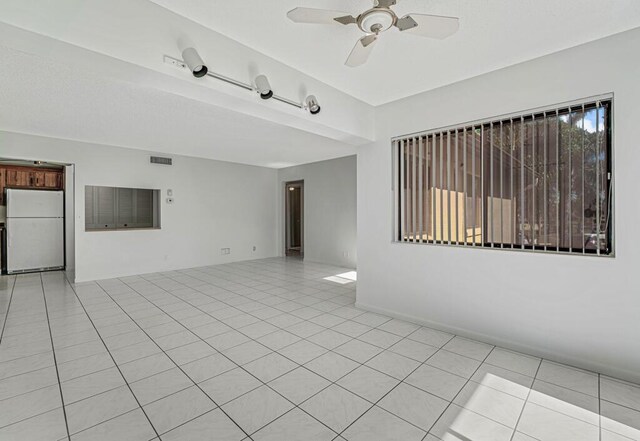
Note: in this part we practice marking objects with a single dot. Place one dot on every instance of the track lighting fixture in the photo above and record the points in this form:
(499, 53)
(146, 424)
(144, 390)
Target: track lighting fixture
(194, 62)
(263, 87)
(312, 105)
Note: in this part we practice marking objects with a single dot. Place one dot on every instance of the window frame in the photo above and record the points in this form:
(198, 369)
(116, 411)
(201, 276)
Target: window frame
(423, 138)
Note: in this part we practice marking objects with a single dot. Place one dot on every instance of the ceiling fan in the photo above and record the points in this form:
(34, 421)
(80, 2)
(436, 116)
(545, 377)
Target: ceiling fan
(375, 21)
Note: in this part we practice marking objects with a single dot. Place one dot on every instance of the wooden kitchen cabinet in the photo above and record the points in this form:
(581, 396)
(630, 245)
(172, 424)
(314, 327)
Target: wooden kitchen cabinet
(53, 180)
(37, 179)
(13, 176)
(17, 178)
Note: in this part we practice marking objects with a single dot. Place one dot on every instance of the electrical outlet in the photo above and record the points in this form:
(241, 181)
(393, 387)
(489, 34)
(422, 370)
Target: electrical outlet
(254, 248)
(225, 251)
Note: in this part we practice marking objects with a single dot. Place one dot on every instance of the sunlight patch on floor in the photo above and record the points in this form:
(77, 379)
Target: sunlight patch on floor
(344, 278)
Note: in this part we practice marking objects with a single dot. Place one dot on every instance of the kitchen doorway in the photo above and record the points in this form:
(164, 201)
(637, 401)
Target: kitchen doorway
(294, 218)
(36, 216)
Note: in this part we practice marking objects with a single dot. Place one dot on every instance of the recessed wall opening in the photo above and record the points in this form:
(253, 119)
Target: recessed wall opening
(116, 208)
(294, 218)
(36, 216)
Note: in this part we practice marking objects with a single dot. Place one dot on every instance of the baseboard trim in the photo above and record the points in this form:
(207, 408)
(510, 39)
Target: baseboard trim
(93, 278)
(600, 368)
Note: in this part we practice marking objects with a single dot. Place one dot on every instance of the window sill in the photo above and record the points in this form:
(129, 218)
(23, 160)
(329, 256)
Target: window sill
(95, 230)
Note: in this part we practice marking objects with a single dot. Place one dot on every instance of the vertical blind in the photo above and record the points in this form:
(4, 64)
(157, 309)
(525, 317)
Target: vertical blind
(540, 181)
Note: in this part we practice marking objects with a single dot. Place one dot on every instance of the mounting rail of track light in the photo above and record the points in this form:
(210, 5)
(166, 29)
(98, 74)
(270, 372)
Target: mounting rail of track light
(195, 64)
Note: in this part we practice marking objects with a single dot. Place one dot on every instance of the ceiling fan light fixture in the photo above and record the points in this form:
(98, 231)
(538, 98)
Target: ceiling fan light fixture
(194, 62)
(376, 20)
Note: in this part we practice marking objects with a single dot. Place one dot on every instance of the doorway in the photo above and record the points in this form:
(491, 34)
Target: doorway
(294, 218)
(36, 216)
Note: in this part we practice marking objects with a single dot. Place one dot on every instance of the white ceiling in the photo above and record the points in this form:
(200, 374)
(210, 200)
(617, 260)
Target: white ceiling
(493, 34)
(92, 70)
(140, 32)
(51, 98)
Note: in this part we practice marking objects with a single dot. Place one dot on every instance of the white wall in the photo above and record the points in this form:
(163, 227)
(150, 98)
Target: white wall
(581, 310)
(329, 210)
(69, 221)
(216, 204)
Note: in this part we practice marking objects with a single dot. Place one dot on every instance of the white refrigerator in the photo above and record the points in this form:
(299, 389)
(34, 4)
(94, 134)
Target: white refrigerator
(35, 230)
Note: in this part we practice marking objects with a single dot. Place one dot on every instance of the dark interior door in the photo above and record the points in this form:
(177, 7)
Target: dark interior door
(294, 216)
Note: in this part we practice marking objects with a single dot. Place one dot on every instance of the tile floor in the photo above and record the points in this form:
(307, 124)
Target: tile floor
(271, 350)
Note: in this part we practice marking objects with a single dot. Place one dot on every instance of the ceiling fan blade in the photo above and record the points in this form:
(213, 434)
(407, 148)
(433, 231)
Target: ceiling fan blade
(384, 3)
(316, 16)
(347, 19)
(361, 51)
(432, 26)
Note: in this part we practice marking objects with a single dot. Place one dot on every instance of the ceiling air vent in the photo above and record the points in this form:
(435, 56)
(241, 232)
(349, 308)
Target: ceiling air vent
(160, 160)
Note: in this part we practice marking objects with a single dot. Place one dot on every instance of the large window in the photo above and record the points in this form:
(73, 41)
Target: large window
(539, 181)
(113, 208)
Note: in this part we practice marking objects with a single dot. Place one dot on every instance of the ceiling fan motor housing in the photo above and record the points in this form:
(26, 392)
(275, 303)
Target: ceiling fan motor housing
(376, 20)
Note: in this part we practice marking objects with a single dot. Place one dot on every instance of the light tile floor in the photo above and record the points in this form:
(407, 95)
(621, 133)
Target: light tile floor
(271, 350)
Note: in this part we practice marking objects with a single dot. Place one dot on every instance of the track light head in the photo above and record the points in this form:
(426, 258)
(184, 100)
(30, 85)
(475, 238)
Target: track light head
(312, 104)
(194, 62)
(263, 87)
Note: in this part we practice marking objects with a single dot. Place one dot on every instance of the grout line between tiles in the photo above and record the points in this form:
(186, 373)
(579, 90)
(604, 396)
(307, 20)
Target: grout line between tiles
(360, 364)
(232, 361)
(526, 400)
(6, 316)
(388, 392)
(113, 359)
(567, 389)
(111, 419)
(172, 360)
(241, 366)
(55, 362)
(599, 410)
(458, 393)
(24, 373)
